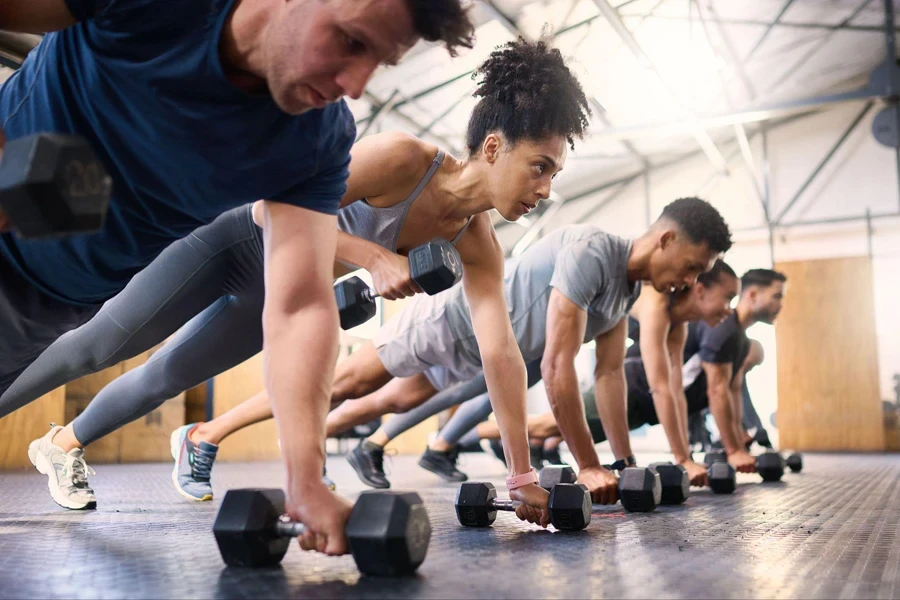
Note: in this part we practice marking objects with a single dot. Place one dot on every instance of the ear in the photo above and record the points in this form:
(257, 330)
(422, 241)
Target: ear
(490, 148)
(666, 238)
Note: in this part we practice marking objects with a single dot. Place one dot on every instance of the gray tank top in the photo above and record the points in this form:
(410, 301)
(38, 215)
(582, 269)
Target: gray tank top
(382, 225)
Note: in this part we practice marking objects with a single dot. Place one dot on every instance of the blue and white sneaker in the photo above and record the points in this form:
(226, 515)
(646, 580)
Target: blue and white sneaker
(193, 463)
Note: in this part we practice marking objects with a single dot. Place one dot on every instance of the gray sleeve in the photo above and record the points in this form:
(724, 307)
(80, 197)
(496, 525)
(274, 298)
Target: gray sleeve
(579, 272)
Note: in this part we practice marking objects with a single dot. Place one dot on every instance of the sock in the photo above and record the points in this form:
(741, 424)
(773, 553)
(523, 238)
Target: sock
(371, 446)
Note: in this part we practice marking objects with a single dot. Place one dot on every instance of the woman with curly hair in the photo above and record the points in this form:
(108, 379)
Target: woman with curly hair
(402, 192)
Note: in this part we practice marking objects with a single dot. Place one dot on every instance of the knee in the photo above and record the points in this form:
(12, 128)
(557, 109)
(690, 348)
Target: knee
(545, 426)
(397, 404)
(348, 386)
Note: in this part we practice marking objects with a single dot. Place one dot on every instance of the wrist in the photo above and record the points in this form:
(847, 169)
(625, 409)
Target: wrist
(518, 481)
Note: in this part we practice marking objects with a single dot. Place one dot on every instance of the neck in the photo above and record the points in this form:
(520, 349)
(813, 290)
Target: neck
(639, 258)
(744, 314)
(684, 309)
(240, 47)
(464, 183)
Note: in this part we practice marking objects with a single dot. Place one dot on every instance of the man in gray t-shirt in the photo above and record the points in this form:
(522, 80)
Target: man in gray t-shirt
(574, 286)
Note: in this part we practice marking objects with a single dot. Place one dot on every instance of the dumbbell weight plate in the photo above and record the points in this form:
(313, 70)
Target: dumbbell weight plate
(676, 486)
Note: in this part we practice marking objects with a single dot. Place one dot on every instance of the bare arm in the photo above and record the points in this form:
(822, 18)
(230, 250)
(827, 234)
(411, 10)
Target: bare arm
(35, 16)
(675, 347)
(504, 368)
(721, 404)
(737, 405)
(655, 323)
(611, 393)
(565, 331)
(300, 313)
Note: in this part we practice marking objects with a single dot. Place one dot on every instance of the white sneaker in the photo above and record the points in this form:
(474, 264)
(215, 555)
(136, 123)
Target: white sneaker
(66, 472)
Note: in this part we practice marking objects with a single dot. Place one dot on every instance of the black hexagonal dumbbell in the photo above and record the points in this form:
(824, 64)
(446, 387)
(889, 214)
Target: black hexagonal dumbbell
(388, 532)
(714, 457)
(53, 184)
(676, 485)
(553, 475)
(640, 489)
(795, 462)
(770, 466)
(477, 505)
(434, 266)
(722, 478)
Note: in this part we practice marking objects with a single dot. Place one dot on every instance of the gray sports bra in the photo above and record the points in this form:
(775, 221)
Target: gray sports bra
(382, 225)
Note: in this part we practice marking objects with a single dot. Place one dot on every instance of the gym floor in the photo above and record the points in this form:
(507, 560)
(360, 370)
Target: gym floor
(832, 531)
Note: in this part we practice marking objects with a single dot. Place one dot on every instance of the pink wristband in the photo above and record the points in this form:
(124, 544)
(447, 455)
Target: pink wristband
(514, 483)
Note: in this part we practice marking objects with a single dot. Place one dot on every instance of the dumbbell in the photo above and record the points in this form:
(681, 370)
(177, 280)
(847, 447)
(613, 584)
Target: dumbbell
(553, 475)
(52, 184)
(434, 266)
(477, 505)
(640, 489)
(722, 476)
(388, 532)
(795, 462)
(676, 485)
(770, 466)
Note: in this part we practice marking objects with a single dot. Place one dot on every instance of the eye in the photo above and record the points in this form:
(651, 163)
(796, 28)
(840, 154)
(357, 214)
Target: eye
(354, 46)
(540, 168)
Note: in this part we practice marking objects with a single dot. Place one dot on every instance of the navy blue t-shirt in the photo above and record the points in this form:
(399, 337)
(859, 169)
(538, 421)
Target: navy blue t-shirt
(143, 82)
(725, 343)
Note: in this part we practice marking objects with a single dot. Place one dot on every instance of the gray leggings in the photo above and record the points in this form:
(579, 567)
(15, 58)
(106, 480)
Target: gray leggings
(212, 280)
(472, 395)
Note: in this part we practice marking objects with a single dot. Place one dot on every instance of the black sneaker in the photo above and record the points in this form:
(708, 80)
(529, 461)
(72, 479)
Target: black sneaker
(442, 464)
(497, 449)
(552, 457)
(367, 460)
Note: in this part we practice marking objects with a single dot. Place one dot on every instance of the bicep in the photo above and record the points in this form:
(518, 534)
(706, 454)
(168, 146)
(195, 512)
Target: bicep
(299, 255)
(36, 16)
(565, 327)
(654, 331)
(718, 375)
(610, 351)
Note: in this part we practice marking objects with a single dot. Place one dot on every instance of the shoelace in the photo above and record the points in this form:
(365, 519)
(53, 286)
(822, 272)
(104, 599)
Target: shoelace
(77, 471)
(378, 459)
(202, 465)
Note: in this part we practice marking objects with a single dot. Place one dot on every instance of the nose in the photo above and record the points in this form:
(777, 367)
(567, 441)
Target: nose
(543, 190)
(352, 79)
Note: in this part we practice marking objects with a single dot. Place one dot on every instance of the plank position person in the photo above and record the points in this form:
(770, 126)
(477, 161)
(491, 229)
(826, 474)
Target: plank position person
(195, 112)
(716, 359)
(661, 318)
(411, 192)
(575, 285)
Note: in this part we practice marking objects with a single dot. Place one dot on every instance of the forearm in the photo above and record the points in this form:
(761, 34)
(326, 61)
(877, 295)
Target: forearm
(682, 410)
(720, 405)
(567, 404)
(357, 251)
(612, 407)
(737, 408)
(505, 376)
(668, 413)
(300, 387)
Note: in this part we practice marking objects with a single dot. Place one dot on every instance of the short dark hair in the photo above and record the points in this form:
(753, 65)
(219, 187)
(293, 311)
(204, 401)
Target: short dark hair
(444, 21)
(701, 222)
(761, 277)
(714, 275)
(527, 93)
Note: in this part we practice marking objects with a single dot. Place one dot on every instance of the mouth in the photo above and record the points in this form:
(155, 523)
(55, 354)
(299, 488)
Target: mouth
(527, 208)
(317, 99)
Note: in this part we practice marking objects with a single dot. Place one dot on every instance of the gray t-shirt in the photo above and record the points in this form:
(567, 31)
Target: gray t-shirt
(585, 264)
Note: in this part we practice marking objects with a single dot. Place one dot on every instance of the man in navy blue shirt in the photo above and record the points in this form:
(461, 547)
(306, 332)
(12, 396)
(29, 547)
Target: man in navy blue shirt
(196, 107)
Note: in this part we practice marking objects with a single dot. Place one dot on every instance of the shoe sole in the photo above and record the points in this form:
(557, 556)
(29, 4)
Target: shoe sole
(443, 476)
(175, 448)
(351, 458)
(43, 466)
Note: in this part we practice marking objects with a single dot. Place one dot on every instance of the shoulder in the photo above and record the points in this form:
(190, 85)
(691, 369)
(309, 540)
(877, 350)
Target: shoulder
(403, 154)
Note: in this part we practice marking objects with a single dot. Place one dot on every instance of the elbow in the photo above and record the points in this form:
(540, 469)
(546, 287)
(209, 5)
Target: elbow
(315, 306)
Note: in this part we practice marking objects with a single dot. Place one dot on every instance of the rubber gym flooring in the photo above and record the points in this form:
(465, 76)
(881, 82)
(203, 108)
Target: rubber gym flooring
(832, 531)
